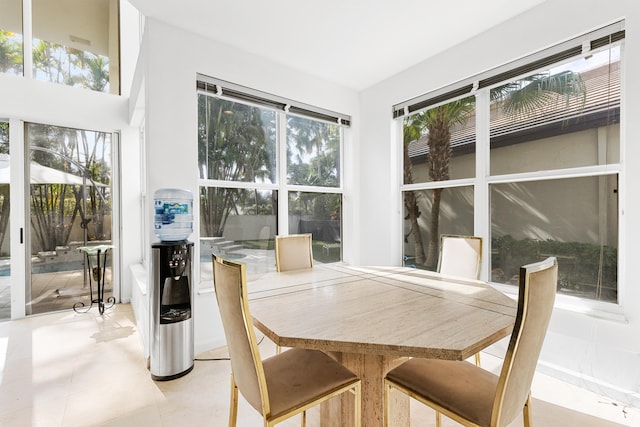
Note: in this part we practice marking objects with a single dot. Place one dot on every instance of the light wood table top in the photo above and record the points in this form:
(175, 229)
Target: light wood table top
(373, 318)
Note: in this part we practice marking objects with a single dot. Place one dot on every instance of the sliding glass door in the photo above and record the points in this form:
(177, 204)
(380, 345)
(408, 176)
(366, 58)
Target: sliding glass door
(5, 243)
(70, 206)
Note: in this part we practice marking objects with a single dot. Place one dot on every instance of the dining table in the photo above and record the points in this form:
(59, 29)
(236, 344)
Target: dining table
(373, 318)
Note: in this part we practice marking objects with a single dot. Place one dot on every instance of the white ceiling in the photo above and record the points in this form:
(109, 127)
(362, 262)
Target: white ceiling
(355, 43)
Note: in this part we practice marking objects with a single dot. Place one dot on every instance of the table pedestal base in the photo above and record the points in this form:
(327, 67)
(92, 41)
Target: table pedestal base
(371, 369)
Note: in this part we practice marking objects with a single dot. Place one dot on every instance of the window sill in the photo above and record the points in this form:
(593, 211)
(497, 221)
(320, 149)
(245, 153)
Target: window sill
(612, 312)
(139, 277)
(204, 291)
(596, 309)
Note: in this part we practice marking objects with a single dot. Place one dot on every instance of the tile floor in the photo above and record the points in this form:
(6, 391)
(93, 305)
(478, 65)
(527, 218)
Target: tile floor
(71, 369)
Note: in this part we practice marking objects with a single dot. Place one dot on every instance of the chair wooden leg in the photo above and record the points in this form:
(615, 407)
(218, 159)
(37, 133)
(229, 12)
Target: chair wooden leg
(477, 358)
(233, 404)
(438, 419)
(526, 412)
(303, 423)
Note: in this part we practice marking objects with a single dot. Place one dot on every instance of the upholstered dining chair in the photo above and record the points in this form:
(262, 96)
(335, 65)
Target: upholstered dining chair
(471, 395)
(280, 386)
(460, 256)
(293, 252)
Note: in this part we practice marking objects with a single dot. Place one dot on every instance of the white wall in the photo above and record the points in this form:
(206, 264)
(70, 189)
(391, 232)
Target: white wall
(173, 57)
(600, 354)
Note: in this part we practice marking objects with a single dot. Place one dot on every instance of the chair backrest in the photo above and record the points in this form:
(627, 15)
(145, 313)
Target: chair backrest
(293, 252)
(229, 280)
(460, 256)
(538, 284)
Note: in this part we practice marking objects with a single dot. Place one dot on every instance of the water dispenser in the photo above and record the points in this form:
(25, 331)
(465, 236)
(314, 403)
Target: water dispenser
(171, 294)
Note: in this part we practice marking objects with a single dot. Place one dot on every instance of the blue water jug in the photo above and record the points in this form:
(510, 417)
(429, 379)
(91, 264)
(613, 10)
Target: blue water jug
(173, 214)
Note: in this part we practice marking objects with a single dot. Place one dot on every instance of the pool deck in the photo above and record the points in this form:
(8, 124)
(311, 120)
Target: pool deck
(52, 292)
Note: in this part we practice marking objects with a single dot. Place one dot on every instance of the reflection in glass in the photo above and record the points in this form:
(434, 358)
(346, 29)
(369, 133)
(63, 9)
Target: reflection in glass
(240, 224)
(75, 42)
(321, 215)
(422, 229)
(573, 219)
(562, 117)
(313, 152)
(11, 59)
(440, 143)
(236, 142)
(70, 206)
(239, 163)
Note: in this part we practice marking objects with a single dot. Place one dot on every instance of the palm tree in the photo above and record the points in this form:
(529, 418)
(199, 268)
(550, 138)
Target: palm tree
(52, 213)
(47, 61)
(91, 155)
(414, 127)
(537, 92)
(234, 146)
(523, 97)
(10, 53)
(440, 121)
(319, 141)
(437, 124)
(313, 153)
(70, 66)
(98, 72)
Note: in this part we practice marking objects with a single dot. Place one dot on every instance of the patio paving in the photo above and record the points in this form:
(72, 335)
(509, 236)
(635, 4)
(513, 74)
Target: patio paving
(53, 291)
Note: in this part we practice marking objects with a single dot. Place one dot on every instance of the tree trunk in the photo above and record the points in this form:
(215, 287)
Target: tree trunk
(434, 225)
(413, 212)
(438, 162)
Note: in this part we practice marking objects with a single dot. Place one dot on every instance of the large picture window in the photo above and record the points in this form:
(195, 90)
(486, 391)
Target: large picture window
(265, 170)
(74, 42)
(11, 60)
(549, 127)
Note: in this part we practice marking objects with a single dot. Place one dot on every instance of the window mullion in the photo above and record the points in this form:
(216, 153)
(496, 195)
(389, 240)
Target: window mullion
(236, 184)
(27, 39)
(482, 214)
(314, 189)
(281, 162)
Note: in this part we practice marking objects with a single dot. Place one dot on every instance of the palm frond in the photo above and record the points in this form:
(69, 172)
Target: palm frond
(538, 92)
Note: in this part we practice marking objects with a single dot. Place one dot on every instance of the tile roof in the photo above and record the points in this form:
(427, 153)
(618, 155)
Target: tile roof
(602, 86)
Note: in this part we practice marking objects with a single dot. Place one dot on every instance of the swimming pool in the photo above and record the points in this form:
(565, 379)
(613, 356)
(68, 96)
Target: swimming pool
(45, 267)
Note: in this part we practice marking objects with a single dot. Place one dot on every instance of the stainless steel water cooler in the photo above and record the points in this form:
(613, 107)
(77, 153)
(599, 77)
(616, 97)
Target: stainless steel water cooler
(170, 307)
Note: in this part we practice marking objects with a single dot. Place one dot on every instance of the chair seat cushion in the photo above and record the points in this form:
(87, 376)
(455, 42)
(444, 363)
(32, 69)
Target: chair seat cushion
(297, 377)
(460, 387)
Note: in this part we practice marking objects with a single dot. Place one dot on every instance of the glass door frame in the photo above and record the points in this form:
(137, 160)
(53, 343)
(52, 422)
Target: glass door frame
(20, 223)
(18, 218)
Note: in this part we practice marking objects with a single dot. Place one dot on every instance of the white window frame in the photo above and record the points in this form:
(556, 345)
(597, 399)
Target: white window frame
(483, 180)
(281, 186)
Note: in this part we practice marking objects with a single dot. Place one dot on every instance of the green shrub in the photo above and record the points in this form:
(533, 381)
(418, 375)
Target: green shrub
(584, 269)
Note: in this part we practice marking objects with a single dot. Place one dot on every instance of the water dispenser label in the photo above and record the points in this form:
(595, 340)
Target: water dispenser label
(166, 213)
(172, 219)
(176, 208)
(172, 208)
